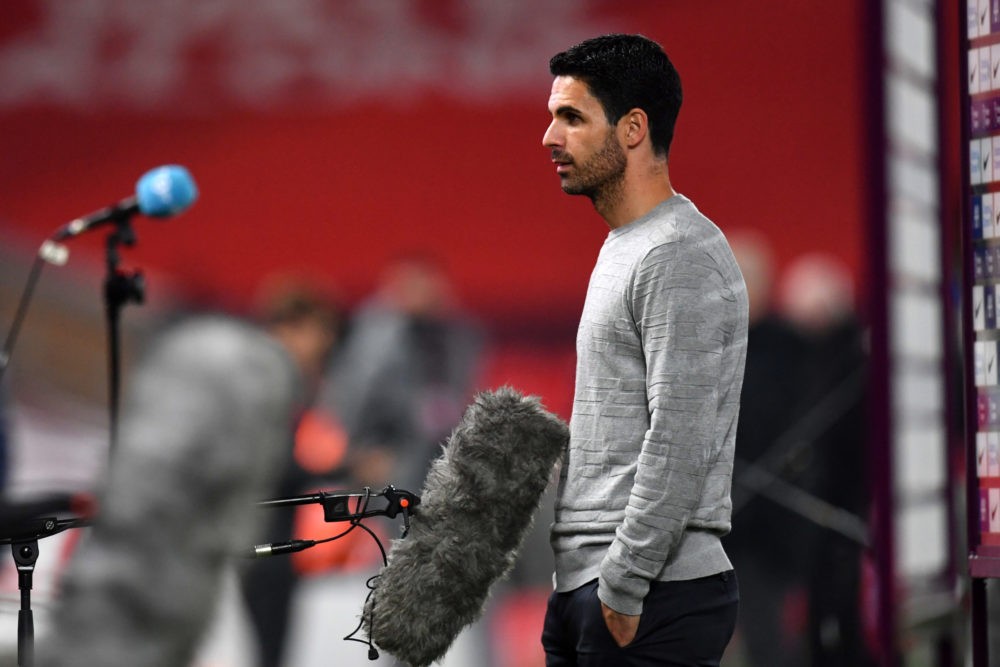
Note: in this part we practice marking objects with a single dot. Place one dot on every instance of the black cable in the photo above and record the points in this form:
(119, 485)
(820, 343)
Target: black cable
(370, 584)
(360, 508)
(372, 651)
(22, 311)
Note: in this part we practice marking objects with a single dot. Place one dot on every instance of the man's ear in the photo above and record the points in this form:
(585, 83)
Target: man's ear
(634, 126)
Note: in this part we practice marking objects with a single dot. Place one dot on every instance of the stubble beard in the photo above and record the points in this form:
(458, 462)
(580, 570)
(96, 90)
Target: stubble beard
(602, 177)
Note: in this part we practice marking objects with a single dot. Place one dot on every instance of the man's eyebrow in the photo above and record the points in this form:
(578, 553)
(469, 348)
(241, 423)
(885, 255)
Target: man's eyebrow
(567, 109)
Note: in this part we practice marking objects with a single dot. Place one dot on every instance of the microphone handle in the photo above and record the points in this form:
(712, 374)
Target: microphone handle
(125, 207)
(277, 548)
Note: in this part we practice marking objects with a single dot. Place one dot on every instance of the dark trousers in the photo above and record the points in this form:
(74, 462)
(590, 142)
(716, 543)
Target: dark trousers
(683, 624)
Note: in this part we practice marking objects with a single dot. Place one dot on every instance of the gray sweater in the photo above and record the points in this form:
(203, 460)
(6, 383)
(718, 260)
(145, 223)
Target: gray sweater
(644, 488)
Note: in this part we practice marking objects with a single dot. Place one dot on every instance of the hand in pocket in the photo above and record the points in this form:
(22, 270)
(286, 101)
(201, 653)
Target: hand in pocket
(621, 626)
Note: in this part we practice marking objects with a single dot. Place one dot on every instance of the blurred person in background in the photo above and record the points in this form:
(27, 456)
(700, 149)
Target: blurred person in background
(206, 432)
(405, 375)
(800, 439)
(817, 297)
(769, 543)
(308, 322)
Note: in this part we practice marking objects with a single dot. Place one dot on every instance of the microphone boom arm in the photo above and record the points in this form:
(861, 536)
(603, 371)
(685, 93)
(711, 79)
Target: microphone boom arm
(337, 506)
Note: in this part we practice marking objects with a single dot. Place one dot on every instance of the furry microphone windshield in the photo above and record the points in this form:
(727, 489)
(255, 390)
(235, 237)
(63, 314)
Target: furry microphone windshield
(478, 502)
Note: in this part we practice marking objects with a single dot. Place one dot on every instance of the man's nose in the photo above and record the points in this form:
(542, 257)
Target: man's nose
(550, 139)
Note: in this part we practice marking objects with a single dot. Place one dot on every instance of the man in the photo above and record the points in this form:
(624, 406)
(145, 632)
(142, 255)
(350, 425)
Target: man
(641, 577)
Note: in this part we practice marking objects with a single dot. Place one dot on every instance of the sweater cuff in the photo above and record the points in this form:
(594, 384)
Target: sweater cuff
(619, 588)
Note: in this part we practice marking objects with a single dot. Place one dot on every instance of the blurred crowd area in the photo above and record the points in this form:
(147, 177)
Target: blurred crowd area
(387, 378)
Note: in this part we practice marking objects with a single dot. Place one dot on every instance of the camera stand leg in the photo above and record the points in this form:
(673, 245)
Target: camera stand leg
(25, 555)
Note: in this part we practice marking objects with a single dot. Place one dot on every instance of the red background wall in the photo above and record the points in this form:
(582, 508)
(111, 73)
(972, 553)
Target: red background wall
(335, 184)
(328, 137)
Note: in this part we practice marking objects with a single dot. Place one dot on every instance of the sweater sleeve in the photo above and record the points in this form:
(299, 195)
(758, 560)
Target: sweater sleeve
(683, 312)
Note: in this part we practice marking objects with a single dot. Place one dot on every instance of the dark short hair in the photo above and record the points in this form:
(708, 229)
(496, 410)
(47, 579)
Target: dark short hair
(289, 301)
(626, 72)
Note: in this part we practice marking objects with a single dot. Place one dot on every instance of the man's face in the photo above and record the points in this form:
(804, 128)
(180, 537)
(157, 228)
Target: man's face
(585, 149)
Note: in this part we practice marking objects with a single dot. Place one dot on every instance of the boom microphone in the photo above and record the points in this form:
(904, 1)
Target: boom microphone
(159, 193)
(477, 505)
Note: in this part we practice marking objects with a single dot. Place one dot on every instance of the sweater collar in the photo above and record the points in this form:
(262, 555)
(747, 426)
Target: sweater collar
(676, 200)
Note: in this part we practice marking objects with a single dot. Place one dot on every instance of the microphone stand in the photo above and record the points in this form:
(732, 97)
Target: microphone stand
(120, 288)
(22, 526)
(24, 547)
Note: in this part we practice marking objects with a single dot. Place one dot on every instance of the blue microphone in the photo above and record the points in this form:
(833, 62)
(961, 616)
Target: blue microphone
(160, 193)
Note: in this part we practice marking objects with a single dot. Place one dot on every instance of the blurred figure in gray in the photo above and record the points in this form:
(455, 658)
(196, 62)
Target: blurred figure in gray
(204, 433)
(406, 372)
